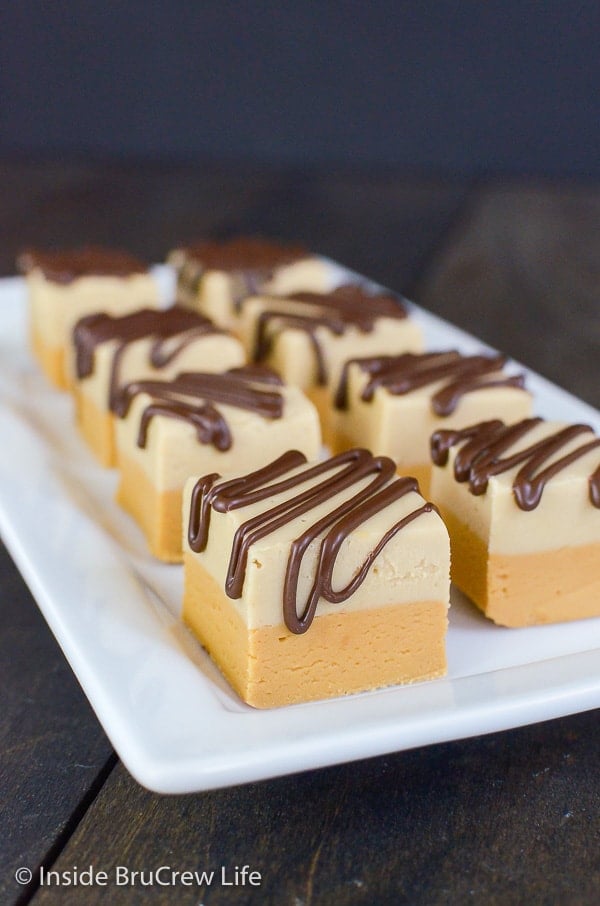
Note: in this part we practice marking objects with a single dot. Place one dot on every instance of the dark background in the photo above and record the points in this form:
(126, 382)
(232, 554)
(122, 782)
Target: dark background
(472, 88)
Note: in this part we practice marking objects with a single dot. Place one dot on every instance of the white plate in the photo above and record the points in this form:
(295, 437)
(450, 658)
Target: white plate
(174, 722)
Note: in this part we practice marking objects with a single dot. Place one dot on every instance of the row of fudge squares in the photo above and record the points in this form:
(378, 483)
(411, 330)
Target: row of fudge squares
(311, 352)
(520, 499)
(345, 349)
(159, 429)
(280, 302)
(65, 286)
(389, 402)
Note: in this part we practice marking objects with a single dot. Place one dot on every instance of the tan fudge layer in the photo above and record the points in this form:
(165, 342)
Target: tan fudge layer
(525, 589)
(214, 352)
(293, 355)
(55, 308)
(215, 292)
(51, 359)
(151, 479)
(157, 513)
(400, 425)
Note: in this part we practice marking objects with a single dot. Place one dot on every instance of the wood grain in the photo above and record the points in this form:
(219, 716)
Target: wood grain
(52, 749)
(522, 271)
(508, 818)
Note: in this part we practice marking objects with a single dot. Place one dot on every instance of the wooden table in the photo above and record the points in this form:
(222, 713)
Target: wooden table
(508, 818)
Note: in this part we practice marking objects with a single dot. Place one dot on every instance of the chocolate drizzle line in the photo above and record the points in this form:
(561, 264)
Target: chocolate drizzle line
(250, 262)
(264, 340)
(191, 397)
(348, 469)
(405, 373)
(66, 266)
(480, 457)
(172, 330)
(347, 306)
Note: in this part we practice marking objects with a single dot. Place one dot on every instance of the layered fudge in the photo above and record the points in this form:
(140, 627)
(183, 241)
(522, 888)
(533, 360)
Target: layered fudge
(306, 581)
(109, 352)
(307, 337)
(67, 285)
(522, 505)
(199, 423)
(392, 404)
(214, 276)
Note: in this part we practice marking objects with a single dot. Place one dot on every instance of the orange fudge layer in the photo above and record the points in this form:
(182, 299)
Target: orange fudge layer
(158, 513)
(525, 589)
(50, 358)
(97, 428)
(270, 666)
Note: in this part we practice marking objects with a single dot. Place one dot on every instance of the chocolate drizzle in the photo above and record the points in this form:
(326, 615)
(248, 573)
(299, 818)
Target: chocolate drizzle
(483, 446)
(264, 341)
(192, 397)
(405, 373)
(244, 253)
(171, 330)
(338, 473)
(249, 261)
(344, 307)
(66, 266)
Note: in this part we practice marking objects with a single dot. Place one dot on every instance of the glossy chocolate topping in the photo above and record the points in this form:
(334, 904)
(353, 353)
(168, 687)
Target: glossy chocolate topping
(337, 474)
(244, 253)
(346, 306)
(405, 373)
(250, 262)
(193, 397)
(171, 331)
(482, 449)
(66, 266)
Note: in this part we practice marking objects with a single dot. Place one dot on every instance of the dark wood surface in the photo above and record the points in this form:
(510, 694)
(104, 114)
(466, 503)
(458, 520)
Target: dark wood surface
(483, 820)
(507, 818)
(54, 753)
(523, 265)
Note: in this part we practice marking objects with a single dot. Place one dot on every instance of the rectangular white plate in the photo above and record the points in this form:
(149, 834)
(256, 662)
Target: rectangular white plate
(171, 717)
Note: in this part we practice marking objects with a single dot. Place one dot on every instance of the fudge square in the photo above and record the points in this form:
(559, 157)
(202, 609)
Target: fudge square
(307, 581)
(109, 352)
(214, 276)
(64, 286)
(522, 505)
(195, 424)
(307, 337)
(392, 404)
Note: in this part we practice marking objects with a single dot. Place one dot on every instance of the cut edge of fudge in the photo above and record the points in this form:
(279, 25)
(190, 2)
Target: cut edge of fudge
(307, 336)
(522, 503)
(392, 403)
(64, 286)
(103, 346)
(167, 430)
(244, 578)
(215, 275)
